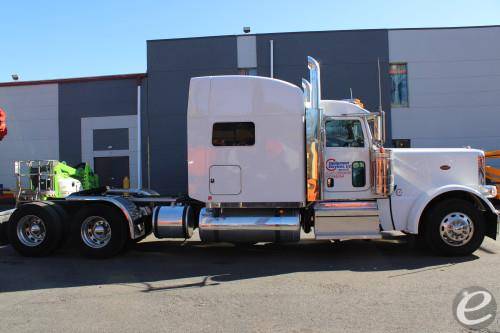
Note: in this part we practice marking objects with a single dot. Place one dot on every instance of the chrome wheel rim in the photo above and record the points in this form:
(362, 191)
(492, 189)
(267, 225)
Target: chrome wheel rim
(31, 230)
(96, 232)
(456, 229)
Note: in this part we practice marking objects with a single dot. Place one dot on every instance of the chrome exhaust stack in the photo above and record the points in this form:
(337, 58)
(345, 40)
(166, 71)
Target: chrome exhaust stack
(314, 118)
(315, 79)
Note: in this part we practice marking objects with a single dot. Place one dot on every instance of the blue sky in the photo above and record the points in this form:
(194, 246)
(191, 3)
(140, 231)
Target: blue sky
(58, 39)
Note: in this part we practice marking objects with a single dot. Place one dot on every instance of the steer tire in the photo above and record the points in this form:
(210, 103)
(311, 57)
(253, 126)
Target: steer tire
(52, 226)
(116, 222)
(432, 227)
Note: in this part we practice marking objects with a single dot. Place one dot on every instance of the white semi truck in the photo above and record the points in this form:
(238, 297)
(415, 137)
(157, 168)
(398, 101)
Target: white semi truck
(267, 160)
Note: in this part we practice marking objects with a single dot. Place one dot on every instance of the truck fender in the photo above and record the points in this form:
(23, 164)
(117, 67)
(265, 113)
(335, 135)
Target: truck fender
(425, 198)
(128, 209)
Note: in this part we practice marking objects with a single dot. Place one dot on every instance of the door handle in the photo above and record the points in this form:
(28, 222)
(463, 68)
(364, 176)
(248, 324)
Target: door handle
(212, 180)
(329, 182)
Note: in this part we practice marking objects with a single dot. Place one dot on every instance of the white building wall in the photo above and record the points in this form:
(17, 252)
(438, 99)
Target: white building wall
(33, 129)
(454, 87)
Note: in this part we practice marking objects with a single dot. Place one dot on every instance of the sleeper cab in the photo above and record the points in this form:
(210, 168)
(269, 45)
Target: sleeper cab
(245, 140)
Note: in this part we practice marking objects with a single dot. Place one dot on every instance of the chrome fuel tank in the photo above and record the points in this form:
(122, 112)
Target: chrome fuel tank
(248, 225)
(173, 221)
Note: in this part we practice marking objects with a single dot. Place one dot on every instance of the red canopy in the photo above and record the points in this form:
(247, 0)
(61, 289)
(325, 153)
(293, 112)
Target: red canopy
(3, 124)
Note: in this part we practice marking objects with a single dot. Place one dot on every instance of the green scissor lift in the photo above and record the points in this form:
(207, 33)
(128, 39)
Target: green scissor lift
(50, 179)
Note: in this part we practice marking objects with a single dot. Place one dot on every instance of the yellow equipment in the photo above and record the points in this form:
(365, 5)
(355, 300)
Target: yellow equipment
(493, 174)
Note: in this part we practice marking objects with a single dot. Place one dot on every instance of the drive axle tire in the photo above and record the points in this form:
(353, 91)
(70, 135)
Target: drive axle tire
(66, 226)
(35, 229)
(100, 231)
(454, 227)
(63, 217)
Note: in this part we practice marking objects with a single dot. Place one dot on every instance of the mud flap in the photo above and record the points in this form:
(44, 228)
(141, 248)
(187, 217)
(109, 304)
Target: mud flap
(4, 219)
(493, 225)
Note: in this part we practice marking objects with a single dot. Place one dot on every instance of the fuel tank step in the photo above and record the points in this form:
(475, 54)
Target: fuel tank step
(347, 220)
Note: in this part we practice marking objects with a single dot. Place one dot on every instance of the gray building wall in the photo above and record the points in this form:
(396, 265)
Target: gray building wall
(79, 100)
(348, 59)
(171, 64)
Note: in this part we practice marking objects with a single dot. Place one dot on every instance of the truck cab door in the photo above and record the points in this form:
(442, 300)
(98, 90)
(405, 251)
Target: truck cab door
(346, 156)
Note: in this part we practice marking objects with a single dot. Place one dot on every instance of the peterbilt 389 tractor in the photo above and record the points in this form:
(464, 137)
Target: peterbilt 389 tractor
(268, 161)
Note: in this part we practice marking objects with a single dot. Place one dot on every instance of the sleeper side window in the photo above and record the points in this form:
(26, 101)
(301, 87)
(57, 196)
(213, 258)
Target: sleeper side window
(344, 133)
(233, 134)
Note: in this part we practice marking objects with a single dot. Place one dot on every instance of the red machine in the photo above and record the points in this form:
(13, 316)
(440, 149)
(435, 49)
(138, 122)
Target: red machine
(3, 124)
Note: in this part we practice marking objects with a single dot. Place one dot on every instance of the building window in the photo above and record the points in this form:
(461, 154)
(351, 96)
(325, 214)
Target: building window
(344, 133)
(248, 71)
(233, 134)
(401, 143)
(399, 84)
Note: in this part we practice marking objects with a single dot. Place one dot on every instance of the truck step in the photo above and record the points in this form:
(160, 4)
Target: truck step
(347, 220)
(347, 236)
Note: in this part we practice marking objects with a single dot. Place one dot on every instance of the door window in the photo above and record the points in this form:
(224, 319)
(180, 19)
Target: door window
(358, 174)
(111, 139)
(344, 133)
(112, 170)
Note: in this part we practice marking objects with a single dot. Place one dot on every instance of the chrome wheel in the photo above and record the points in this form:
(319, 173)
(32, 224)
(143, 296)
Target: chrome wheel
(31, 230)
(456, 229)
(96, 232)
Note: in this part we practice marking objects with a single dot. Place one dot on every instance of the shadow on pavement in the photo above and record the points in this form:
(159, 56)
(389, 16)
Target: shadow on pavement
(152, 261)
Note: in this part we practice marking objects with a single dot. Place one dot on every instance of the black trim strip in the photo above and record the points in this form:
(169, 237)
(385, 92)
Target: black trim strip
(390, 209)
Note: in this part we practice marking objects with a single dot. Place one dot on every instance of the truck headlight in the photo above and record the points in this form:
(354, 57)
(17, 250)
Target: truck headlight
(481, 168)
(489, 191)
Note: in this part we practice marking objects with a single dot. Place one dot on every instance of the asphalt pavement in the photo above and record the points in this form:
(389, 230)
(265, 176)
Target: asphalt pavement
(173, 286)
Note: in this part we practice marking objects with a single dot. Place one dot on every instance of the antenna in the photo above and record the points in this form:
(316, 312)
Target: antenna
(350, 89)
(379, 86)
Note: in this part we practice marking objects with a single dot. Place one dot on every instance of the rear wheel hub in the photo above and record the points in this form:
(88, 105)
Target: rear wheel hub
(96, 232)
(31, 230)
